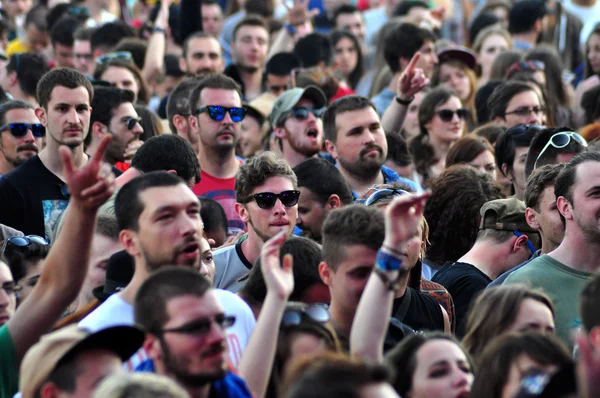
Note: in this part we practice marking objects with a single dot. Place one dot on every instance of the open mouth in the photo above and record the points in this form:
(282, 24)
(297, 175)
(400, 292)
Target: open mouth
(312, 133)
(191, 248)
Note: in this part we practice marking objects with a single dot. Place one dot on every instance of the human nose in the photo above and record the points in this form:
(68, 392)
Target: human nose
(534, 118)
(29, 137)
(138, 130)
(279, 208)
(4, 298)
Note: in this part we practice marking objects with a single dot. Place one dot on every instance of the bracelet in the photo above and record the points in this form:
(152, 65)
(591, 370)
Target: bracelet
(405, 102)
(291, 30)
(391, 285)
(159, 30)
(388, 262)
(391, 250)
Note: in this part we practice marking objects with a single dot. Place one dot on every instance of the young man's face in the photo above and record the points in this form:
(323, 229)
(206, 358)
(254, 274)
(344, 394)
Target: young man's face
(17, 150)
(220, 135)
(524, 108)
(311, 214)
(353, 23)
(63, 55)
(548, 216)
(212, 19)
(102, 248)
(38, 40)
(428, 58)
(203, 56)
(278, 84)
(305, 136)
(122, 136)
(250, 48)
(586, 200)
(83, 59)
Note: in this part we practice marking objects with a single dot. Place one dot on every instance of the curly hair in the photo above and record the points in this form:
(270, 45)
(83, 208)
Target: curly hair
(256, 171)
(452, 211)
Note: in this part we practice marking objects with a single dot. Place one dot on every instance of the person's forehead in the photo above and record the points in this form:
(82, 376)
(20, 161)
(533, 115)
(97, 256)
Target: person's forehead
(156, 198)
(253, 31)
(525, 98)
(21, 115)
(5, 274)
(587, 175)
(355, 118)
(206, 44)
(118, 72)
(78, 95)
(209, 95)
(349, 17)
(187, 308)
(275, 185)
(124, 109)
(213, 9)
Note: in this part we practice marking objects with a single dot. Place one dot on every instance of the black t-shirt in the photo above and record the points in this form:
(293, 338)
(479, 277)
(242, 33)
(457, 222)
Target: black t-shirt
(423, 311)
(463, 281)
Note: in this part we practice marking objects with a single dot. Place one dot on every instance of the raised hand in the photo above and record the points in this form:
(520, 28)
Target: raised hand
(412, 80)
(131, 149)
(402, 218)
(91, 185)
(299, 13)
(279, 278)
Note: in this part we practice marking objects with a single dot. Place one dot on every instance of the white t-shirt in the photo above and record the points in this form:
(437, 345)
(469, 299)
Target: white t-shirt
(117, 312)
(590, 16)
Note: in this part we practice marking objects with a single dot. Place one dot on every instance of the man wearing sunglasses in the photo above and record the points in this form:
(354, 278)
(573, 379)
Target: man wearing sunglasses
(356, 140)
(553, 146)
(514, 103)
(564, 272)
(21, 135)
(113, 113)
(216, 116)
(296, 120)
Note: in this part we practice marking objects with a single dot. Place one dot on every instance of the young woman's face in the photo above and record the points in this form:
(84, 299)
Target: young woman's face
(486, 163)
(593, 52)
(442, 371)
(121, 78)
(444, 130)
(411, 120)
(455, 78)
(490, 48)
(346, 56)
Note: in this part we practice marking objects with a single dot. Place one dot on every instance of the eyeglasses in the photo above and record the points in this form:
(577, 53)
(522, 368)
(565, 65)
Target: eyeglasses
(529, 244)
(446, 115)
(315, 312)
(561, 140)
(202, 326)
(10, 287)
(526, 111)
(19, 130)
(383, 193)
(301, 112)
(131, 122)
(124, 55)
(532, 66)
(266, 200)
(216, 112)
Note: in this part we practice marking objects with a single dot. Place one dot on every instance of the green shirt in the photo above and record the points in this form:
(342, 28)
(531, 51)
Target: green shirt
(9, 366)
(562, 284)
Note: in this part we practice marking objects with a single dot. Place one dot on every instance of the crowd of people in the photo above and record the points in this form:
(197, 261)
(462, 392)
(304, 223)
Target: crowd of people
(299, 198)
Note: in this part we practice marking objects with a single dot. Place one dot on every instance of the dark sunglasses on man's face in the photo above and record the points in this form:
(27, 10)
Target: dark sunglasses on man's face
(216, 112)
(266, 200)
(202, 326)
(446, 115)
(131, 122)
(301, 112)
(19, 130)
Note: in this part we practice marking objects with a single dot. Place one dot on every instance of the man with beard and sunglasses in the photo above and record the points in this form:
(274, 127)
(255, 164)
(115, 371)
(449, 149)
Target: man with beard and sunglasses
(21, 135)
(296, 120)
(177, 308)
(266, 191)
(356, 140)
(215, 117)
(35, 195)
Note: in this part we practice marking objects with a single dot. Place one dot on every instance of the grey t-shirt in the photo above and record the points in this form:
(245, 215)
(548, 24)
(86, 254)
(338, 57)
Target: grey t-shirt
(231, 265)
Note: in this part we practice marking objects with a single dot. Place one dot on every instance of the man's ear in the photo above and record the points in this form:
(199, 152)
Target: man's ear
(180, 124)
(564, 207)
(334, 202)
(128, 239)
(531, 218)
(49, 390)
(12, 78)
(520, 243)
(325, 272)
(241, 210)
(504, 171)
(182, 65)
(98, 130)
(193, 121)
(279, 132)
(41, 115)
(331, 148)
(152, 347)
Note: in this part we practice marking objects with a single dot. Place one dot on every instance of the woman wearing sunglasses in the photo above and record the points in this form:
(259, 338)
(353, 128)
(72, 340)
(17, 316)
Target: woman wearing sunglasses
(441, 123)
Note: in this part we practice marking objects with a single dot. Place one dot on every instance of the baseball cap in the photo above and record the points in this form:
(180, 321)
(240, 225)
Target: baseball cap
(288, 99)
(263, 104)
(62, 345)
(458, 53)
(119, 272)
(504, 215)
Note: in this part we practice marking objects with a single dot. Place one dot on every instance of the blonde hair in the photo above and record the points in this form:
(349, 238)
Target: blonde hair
(139, 385)
(490, 31)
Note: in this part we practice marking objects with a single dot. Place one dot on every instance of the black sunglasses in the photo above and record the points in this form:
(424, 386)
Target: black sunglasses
(446, 115)
(124, 55)
(216, 112)
(266, 200)
(315, 312)
(19, 130)
(202, 326)
(24, 241)
(301, 112)
(131, 122)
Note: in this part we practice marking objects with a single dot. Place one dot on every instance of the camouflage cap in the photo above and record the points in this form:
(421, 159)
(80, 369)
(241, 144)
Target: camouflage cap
(504, 215)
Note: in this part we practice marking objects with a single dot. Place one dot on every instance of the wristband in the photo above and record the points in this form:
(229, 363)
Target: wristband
(388, 262)
(291, 30)
(159, 30)
(391, 285)
(405, 102)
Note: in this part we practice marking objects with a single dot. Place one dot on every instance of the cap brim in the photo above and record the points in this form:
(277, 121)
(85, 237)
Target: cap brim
(316, 95)
(124, 341)
(99, 293)
(466, 57)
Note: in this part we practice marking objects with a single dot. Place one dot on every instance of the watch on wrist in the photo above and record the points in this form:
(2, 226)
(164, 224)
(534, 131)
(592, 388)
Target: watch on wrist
(403, 101)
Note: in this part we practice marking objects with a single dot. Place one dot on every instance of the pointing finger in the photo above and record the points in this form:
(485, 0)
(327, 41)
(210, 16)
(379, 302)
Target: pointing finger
(413, 62)
(99, 155)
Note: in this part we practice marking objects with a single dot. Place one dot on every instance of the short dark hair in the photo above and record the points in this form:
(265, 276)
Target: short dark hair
(480, 22)
(281, 64)
(64, 375)
(150, 303)
(30, 68)
(106, 100)
(498, 101)
(323, 179)
(313, 49)
(214, 81)
(107, 36)
(508, 142)
(179, 101)
(549, 156)
(481, 100)
(538, 181)
(405, 6)
(19, 258)
(307, 257)
(136, 47)
(63, 77)
(213, 215)
(589, 299)
(168, 152)
(107, 226)
(257, 170)
(129, 206)
(351, 225)
(344, 9)
(398, 150)
(36, 16)
(466, 149)
(250, 20)
(63, 32)
(9, 106)
(489, 131)
(403, 42)
(348, 103)
(83, 33)
(567, 178)
(522, 17)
